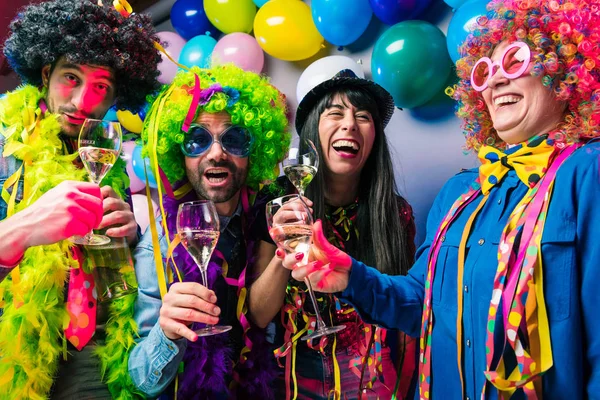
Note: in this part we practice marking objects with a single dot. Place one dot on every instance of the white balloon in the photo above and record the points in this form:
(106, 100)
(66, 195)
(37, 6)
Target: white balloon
(140, 210)
(323, 69)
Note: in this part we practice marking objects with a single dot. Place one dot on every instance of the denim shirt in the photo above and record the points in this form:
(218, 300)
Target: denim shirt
(8, 166)
(570, 259)
(154, 361)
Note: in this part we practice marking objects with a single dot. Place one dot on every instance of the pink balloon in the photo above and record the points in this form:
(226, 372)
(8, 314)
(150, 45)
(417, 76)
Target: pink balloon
(173, 43)
(140, 210)
(135, 183)
(241, 49)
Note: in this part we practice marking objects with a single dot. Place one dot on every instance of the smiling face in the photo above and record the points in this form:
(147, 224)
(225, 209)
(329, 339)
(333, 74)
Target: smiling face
(346, 134)
(216, 175)
(77, 92)
(523, 107)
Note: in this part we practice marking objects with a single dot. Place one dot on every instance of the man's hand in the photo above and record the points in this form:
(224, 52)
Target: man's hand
(118, 216)
(187, 302)
(69, 209)
(329, 269)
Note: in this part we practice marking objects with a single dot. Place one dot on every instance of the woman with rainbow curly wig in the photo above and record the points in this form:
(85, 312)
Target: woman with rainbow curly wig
(503, 293)
(213, 134)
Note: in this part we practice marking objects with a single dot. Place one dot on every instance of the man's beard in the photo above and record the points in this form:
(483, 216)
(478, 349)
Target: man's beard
(217, 195)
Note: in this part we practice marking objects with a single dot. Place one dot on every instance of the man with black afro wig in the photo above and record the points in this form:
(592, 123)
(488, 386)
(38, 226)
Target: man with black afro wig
(76, 58)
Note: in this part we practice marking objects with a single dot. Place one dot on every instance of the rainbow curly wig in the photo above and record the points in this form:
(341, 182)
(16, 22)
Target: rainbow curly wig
(86, 33)
(249, 98)
(563, 36)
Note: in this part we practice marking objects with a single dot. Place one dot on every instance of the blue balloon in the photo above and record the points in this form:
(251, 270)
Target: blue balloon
(391, 12)
(341, 22)
(455, 4)
(111, 114)
(461, 24)
(260, 3)
(197, 51)
(189, 19)
(137, 162)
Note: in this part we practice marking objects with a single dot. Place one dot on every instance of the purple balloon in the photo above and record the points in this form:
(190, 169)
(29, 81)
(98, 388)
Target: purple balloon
(173, 43)
(241, 49)
(391, 12)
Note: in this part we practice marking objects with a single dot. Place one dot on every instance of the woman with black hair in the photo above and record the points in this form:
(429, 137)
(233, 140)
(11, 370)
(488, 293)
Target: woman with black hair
(354, 191)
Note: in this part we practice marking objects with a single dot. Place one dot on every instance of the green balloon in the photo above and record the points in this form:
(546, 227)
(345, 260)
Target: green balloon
(411, 61)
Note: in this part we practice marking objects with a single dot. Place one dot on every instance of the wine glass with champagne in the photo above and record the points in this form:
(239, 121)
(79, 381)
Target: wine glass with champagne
(198, 229)
(289, 220)
(301, 164)
(99, 147)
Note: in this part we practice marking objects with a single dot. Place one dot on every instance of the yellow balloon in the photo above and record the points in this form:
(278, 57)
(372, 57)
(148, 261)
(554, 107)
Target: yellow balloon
(131, 122)
(285, 30)
(231, 15)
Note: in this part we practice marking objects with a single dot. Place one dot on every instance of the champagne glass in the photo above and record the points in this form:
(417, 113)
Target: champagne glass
(99, 147)
(198, 228)
(301, 164)
(289, 220)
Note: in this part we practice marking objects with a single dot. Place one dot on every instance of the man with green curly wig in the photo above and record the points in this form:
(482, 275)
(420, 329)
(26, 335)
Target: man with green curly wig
(76, 58)
(220, 133)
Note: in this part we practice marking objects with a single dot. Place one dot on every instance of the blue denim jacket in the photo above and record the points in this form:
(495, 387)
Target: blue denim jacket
(570, 259)
(154, 361)
(8, 166)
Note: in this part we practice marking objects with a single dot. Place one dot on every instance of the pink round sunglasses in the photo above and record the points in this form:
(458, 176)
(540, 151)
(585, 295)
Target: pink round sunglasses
(512, 64)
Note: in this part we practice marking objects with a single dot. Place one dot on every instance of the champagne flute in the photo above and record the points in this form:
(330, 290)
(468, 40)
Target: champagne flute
(99, 147)
(301, 164)
(198, 228)
(289, 221)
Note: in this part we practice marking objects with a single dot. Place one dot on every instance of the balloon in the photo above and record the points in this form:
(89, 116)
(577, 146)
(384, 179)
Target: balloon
(260, 3)
(393, 11)
(111, 115)
(332, 19)
(463, 20)
(410, 60)
(140, 210)
(137, 162)
(131, 122)
(135, 184)
(189, 19)
(197, 51)
(323, 69)
(240, 49)
(285, 30)
(455, 4)
(231, 15)
(173, 43)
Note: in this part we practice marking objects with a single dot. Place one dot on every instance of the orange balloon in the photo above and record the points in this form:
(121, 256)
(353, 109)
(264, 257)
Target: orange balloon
(285, 30)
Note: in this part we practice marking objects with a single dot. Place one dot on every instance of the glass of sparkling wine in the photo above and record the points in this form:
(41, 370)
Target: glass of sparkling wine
(99, 146)
(301, 164)
(289, 220)
(198, 229)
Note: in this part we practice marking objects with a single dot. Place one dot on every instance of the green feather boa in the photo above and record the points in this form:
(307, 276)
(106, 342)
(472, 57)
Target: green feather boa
(32, 335)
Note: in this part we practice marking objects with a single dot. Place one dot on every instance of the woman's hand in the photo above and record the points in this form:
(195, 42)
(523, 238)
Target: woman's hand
(328, 268)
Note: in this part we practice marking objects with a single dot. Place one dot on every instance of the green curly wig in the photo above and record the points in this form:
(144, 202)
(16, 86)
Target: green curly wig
(260, 108)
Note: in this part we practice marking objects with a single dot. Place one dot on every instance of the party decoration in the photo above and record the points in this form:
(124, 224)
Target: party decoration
(135, 183)
(391, 12)
(322, 70)
(111, 115)
(455, 4)
(332, 19)
(189, 19)
(137, 162)
(410, 60)
(140, 210)
(173, 43)
(231, 15)
(241, 49)
(461, 24)
(131, 122)
(197, 51)
(285, 30)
